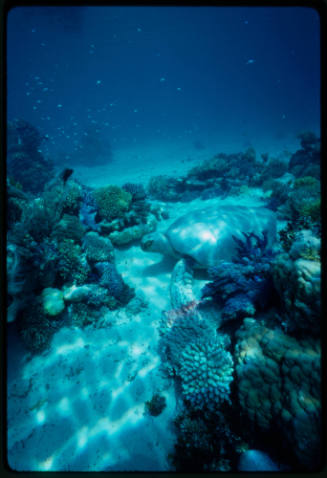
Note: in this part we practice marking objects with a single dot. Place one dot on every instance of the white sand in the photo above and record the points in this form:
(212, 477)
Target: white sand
(80, 405)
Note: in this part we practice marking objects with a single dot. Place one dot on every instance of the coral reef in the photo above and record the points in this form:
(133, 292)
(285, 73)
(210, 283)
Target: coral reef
(245, 284)
(306, 161)
(35, 327)
(279, 386)
(97, 248)
(217, 176)
(69, 227)
(205, 442)
(298, 283)
(112, 280)
(25, 163)
(206, 371)
(198, 357)
(133, 233)
(303, 205)
(112, 202)
(72, 263)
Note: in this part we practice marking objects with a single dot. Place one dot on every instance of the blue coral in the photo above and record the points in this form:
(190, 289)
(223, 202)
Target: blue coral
(244, 284)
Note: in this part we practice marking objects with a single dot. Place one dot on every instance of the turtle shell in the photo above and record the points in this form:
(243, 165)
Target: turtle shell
(205, 235)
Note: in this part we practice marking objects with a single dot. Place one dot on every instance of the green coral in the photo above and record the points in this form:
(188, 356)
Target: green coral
(112, 202)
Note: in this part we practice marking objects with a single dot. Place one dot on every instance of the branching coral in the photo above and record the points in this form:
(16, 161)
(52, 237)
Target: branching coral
(244, 284)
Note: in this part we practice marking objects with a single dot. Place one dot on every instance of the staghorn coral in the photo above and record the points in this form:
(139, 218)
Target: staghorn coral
(112, 202)
(279, 386)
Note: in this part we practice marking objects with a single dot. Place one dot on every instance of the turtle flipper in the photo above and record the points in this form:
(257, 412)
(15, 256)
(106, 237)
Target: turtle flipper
(181, 291)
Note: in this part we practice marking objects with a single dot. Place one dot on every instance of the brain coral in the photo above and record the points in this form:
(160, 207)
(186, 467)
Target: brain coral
(279, 385)
(112, 202)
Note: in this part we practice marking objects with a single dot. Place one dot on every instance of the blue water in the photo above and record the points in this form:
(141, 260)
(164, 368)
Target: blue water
(130, 75)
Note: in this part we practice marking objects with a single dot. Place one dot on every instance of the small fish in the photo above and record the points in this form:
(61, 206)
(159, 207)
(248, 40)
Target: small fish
(250, 62)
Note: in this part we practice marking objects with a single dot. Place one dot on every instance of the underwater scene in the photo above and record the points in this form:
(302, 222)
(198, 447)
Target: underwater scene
(163, 239)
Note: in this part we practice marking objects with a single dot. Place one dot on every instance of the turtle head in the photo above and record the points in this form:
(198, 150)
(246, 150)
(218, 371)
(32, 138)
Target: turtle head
(156, 242)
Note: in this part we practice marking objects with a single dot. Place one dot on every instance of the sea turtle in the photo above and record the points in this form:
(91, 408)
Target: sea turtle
(202, 238)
